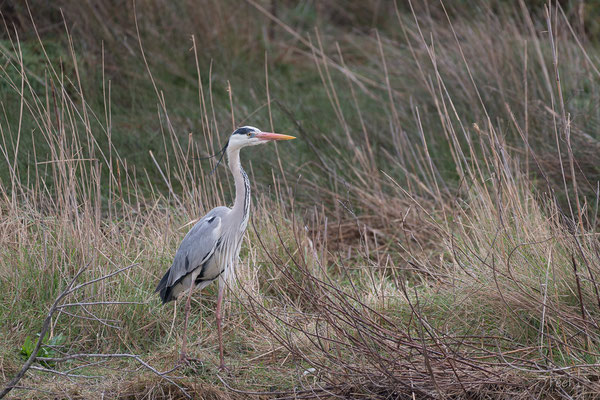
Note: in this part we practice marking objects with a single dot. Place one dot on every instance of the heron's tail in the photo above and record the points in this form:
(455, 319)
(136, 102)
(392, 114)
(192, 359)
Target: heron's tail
(163, 290)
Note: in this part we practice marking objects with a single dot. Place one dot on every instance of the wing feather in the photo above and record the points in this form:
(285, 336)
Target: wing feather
(196, 248)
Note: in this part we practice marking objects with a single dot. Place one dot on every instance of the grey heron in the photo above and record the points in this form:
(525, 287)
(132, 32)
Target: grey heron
(209, 251)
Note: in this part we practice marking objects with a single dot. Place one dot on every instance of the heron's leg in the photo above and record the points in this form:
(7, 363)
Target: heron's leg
(219, 327)
(187, 314)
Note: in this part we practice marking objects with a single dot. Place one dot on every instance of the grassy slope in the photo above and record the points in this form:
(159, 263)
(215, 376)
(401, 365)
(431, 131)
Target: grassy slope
(416, 197)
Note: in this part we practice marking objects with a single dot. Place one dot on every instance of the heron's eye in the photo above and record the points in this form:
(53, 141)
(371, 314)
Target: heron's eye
(249, 134)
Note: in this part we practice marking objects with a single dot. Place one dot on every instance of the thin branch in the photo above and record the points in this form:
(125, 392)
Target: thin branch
(45, 326)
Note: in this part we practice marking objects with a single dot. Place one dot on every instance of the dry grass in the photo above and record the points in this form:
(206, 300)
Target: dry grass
(435, 254)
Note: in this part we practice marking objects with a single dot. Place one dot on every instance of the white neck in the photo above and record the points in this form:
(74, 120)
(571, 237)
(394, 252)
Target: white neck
(241, 205)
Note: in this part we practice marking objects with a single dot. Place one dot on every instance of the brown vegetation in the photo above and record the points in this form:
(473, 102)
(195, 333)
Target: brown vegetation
(441, 241)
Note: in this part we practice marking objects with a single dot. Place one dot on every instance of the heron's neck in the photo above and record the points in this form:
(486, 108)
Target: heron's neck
(241, 206)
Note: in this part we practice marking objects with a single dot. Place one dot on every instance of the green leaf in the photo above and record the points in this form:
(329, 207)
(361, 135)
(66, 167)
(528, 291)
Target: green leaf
(27, 347)
(45, 350)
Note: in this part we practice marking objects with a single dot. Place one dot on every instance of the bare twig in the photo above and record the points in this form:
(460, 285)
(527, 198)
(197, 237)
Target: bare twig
(45, 326)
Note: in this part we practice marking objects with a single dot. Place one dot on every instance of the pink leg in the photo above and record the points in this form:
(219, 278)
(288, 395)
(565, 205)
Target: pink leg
(220, 328)
(187, 314)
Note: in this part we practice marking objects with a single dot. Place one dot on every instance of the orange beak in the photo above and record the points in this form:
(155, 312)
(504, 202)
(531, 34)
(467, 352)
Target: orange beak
(273, 136)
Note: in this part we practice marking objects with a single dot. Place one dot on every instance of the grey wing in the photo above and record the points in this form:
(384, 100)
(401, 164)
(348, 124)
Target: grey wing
(196, 248)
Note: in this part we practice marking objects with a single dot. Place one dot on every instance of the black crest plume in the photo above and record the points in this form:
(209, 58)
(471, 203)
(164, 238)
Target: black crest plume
(220, 154)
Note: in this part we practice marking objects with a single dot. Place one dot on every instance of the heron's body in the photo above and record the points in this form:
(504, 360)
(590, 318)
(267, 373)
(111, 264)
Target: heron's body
(211, 248)
(197, 259)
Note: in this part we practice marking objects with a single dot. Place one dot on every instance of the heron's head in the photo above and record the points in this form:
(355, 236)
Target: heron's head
(251, 136)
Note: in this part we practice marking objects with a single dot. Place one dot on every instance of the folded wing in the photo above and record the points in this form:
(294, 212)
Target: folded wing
(196, 250)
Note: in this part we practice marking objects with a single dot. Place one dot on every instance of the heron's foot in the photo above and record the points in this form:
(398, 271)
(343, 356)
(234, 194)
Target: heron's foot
(224, 368)
(189, 365)
(184, 359)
